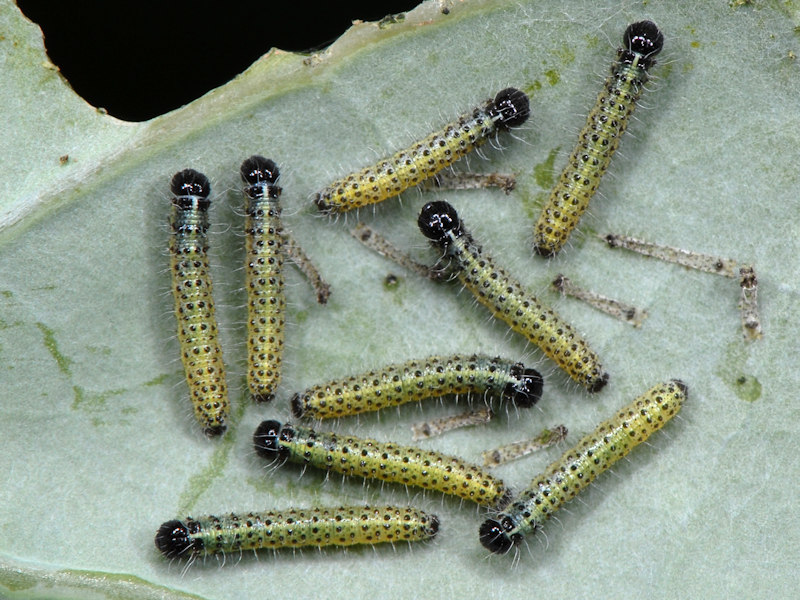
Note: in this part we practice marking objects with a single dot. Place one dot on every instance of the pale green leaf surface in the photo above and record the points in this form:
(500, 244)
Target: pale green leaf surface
(99, 444)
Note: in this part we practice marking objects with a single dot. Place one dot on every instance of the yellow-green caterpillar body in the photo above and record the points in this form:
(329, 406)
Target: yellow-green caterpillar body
(599, 138)
(424, 159)
(578, 467)
(417, 380)
(294, 528)
(201, 353)
(508, 300)
(371, 459)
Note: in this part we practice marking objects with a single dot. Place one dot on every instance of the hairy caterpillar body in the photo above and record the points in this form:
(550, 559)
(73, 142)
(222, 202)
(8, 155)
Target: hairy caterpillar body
(264, 253)
(294, 528)
(418, 380)
(386, 461)
(599, 138)
(424, 159)
(194, 306)
(579, 466)
(508, 300)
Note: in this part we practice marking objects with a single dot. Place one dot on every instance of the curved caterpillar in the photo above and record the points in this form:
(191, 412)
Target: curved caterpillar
(508, 300)
(579, 466)
(417, 380)
(386, 461)
(424, 159)
(294, 528)
(266, 303)
(599, 138)
(194, 306)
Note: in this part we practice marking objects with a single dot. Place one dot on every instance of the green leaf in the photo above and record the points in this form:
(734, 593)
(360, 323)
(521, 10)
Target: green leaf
(99, 443)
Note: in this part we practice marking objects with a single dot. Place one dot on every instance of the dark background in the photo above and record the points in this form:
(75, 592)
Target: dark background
(141, 59)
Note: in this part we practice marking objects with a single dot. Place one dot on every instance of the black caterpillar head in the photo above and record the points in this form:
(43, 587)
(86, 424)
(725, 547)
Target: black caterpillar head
(258, 169)
(190, 183)
(528, 390)
(260, 175)
(266, 440)
(495, 538)
(173, 540)
(190, 190)
(437, 220)
(643, 38)
(511, 106)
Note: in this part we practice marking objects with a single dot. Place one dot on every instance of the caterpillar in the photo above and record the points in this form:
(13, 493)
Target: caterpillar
(418, 380)
(579, 466)
(425, 158)
(599, 138)
(508, 300)
(194, 306)
(372, 459)
(264, 253)
(294, 528)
